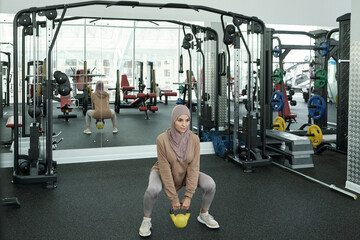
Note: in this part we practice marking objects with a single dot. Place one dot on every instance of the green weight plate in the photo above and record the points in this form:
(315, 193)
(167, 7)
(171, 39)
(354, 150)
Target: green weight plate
(278, 76)
(320, 78)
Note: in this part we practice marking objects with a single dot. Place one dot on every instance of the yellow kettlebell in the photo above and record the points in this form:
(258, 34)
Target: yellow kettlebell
(180, 220)
(100, 124)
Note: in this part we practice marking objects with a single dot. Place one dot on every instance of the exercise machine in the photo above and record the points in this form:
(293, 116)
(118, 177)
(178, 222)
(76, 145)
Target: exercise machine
(145, 102)
(245, 142)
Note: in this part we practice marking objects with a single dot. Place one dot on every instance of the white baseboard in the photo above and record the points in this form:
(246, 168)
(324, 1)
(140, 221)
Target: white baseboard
(352, 186)
(104, 154)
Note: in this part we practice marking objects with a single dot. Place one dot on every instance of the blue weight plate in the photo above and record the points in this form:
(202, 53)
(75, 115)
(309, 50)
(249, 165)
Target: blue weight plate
(325, 49)
(277, 51)
(316, 107)
(277, 100)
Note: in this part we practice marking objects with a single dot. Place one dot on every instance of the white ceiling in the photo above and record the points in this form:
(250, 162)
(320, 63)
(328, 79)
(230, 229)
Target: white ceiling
(300, 12)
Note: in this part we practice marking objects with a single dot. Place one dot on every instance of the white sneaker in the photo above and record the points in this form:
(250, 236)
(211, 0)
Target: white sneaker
(144, 230)
(208, 220)
(87, 131)
(115, 130)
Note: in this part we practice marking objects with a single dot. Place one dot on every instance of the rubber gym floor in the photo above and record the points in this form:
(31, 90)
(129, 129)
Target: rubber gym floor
(103, 200)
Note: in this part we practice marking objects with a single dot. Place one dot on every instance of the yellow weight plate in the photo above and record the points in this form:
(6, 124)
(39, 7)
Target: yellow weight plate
(279, 124)
(315, 135)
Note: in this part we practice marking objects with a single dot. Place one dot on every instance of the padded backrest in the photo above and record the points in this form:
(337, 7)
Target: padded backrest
(65, 100)
(124, 81)
(287, 112)
(81, 79)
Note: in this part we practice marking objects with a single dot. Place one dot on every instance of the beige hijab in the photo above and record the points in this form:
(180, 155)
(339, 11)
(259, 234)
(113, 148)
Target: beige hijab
(99, 87)
(180, 142)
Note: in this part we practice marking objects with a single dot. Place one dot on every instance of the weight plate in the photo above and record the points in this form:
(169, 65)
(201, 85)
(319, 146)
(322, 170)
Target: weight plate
(277, 100)
(277, 51)
(278, 76)
(324, 49)
(279, 124)
(315, 135)
(320, 78)
(316, 107)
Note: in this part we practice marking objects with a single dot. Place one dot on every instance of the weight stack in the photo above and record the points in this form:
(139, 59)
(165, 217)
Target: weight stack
(210, 86)
(343, 82)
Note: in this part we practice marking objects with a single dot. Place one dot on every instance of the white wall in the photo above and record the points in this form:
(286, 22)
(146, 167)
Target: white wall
(299, 12)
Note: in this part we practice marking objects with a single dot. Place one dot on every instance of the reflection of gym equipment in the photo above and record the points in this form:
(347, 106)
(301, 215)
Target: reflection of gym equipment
(10, 124)
(82, 81)
(167, 93)
(5, 65)
(185, 92)
(64, 90)
(152, 82)
(38, 80)
(140, 100)
(100, 124)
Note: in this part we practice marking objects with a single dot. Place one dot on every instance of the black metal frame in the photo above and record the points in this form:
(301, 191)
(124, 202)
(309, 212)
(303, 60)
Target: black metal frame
(50, 176)
(255, 156)
(287, 49)
(343, 78)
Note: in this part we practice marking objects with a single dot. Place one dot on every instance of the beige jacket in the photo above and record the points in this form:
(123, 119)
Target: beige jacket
(100, 103)
(175, 174)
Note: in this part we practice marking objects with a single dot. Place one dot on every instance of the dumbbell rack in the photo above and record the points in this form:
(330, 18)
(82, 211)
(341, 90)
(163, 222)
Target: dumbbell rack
(297, 150)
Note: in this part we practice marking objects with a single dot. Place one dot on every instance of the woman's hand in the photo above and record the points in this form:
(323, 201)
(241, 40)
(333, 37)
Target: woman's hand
(185, 203)
(176, 206)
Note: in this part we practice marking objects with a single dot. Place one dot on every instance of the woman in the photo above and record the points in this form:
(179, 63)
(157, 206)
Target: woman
(178, 163)
(100, 108)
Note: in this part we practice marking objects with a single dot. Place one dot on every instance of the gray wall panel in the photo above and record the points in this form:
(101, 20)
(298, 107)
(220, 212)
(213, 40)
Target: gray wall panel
(353, 168)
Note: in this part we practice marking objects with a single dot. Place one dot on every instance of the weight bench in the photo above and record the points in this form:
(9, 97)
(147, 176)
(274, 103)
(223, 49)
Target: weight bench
(10, 124)
(167, 93)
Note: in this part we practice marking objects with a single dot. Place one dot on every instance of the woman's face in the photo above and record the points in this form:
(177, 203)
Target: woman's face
(182, 123)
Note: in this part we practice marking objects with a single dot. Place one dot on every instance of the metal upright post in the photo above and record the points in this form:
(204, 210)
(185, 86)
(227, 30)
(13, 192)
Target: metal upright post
(343, 70)
(23, 85)
(265, 85)
(237, 79)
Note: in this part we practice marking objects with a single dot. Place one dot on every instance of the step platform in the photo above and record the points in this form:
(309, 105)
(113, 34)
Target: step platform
(297, 150)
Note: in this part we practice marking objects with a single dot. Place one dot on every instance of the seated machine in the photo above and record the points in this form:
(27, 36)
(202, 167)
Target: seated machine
(140, 100)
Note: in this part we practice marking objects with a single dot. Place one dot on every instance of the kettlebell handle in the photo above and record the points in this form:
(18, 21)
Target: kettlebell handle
(172, 211)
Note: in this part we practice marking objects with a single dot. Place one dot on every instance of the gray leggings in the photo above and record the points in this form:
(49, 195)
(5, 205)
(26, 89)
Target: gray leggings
(89, 114)
(206, 183)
